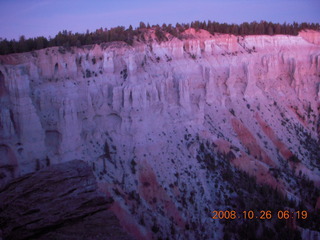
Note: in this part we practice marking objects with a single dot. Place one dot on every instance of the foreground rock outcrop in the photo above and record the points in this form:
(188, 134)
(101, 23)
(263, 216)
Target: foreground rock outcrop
(175, 130)
(58, 202)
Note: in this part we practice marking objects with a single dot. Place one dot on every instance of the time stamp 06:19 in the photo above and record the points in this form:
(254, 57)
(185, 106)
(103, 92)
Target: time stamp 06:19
(285, 214)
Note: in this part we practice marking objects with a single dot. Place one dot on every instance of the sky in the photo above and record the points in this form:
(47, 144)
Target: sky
(34, 18)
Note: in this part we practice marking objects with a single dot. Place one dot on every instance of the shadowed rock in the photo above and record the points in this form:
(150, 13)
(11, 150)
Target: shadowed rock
(58, 202)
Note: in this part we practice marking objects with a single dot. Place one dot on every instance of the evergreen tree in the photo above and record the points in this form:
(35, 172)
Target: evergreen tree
(142, 25)
(22, 45)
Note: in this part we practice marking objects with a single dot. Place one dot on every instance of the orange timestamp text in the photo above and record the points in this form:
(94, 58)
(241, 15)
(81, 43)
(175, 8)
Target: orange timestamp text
(263, 214)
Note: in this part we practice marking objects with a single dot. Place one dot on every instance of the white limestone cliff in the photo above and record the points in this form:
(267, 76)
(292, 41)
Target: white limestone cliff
(257, 94)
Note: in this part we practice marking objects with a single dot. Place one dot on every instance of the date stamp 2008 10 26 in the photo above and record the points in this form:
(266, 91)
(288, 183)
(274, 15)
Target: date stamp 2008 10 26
(263, 214)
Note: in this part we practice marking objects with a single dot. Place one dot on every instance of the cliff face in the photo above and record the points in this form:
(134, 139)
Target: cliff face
(148, 116)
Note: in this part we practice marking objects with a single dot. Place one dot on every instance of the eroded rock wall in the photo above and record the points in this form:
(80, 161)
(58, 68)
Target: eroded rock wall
(125, 109)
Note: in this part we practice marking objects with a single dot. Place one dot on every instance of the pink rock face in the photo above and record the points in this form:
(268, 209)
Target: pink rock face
(156, 196)
(284, 151)
(311, 36)
(248, 141)
(192, 117)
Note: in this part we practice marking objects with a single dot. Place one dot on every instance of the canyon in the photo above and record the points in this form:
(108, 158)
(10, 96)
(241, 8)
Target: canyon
(175, 129)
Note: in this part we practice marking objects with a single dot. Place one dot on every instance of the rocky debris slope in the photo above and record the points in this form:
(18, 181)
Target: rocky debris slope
(167, 126)
(58, 202)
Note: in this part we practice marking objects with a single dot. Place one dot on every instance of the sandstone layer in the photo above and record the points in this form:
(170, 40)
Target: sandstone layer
(58, 202)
